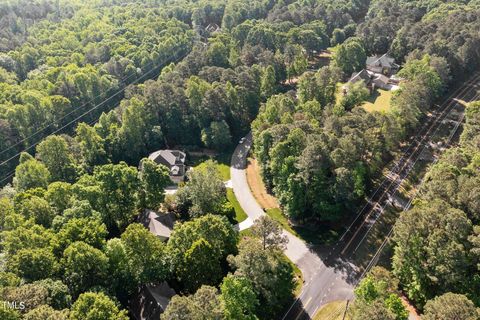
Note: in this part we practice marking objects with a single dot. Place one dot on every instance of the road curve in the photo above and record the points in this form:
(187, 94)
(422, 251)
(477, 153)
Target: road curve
(328, 271)
(324, 279)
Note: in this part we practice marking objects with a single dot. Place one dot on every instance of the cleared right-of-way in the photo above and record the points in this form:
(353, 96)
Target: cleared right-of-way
(329, 271)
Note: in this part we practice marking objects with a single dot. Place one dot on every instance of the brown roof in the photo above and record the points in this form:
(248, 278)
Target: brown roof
(381, 78)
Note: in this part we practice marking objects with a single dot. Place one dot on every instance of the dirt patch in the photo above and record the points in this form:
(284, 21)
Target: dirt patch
(202, 153)
(266, 200)
(413, 314)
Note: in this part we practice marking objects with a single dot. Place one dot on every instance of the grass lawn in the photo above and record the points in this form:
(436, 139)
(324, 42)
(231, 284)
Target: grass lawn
(223, 164)
(338, 92)
(298, 278)
(378, 101)
(224, 171)
(240, 215)
(277, 215)
(317, 236)
(245, 233)
(332, 311)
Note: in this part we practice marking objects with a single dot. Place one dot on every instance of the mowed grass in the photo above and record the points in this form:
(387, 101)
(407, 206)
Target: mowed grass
(378, 101)
(316, 236)
(339, 92)
(222, 168)
(277, 215)
(332, 311)
(298, 278)
(245, 233)
(240, 215)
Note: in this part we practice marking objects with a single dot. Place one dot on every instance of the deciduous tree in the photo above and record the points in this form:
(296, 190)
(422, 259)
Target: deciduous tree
(270, 273)
(210, 239)
(431, 252)
(30, 173)
(83, 267)
(450, 306)
(55, 154)
(239, 298)
(154, 178)
(96, 306)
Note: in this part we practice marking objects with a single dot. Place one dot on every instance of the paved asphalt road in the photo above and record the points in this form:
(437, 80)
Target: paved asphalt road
(331, 278)
(328, 273)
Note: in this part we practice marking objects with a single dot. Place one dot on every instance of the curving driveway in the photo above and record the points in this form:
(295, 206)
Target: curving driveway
(324, 280)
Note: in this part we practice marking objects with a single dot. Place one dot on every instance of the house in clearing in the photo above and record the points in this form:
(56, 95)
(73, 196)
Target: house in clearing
(383, 64)
(174, 160)
(380, 81)
(150, 301)
(212, 28)
(371, 80)
(363, 76)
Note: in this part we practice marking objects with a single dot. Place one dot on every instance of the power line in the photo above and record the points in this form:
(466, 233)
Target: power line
(397, 166)
(411, 167)
(445, 111)
(376, 256)
(10, 174)
(124, 79)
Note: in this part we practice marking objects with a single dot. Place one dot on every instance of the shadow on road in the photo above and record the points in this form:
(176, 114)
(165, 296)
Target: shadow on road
(332, 258)
(296, 312)
(240, 154)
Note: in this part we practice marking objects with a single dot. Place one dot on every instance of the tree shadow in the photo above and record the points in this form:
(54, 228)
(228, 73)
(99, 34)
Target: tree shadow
(241, 153)
(296, 311)
(343, 265)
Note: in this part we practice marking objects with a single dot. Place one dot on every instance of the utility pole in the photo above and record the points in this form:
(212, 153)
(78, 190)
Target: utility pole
(346, 308)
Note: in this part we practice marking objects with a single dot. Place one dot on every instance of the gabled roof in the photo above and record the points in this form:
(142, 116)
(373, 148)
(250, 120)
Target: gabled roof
(151, 301)
(381, 61)
(171, 157)
(162, 294)
(212, 27)
(160, 224)
(381, 78)
(361, 75)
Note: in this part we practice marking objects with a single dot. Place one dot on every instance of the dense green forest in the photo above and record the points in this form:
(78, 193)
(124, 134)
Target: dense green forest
(89, 88)
(436, 244)
(319, 156)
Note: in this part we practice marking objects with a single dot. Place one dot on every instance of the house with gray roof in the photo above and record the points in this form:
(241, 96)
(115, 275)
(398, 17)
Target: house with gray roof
(174, 160)
(159, 224)
(381, 81)
(150, 301)
(383, 64)
(362, 75)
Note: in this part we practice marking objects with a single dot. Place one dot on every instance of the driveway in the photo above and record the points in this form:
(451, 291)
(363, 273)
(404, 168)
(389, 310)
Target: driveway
(324, 280)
